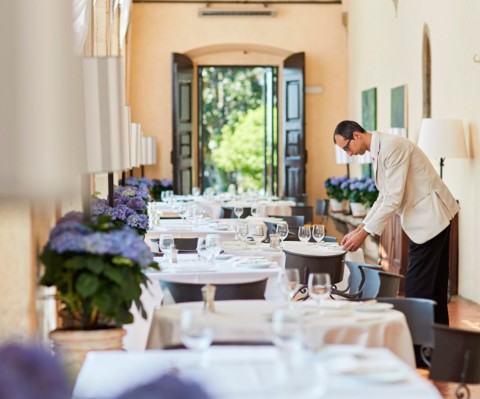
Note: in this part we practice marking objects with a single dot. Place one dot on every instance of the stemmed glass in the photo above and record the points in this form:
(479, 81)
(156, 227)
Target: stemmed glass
(319, 286)
(196, 333)
(304, 234)
(258, 232)
(166, 244)
(318, 232)
(238, 211)
(282, 231)
(287, 332)
(289, 282)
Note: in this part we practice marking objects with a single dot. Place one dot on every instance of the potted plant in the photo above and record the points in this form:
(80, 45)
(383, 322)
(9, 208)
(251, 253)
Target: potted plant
(98, 269)
(356, 190)
(370, 194)
(159, 186)
(336, 193)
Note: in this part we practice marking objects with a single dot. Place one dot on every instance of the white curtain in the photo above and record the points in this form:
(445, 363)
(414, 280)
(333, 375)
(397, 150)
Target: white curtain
(81, 22)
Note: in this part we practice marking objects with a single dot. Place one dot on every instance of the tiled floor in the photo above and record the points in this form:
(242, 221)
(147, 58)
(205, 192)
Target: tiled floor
(463, 314)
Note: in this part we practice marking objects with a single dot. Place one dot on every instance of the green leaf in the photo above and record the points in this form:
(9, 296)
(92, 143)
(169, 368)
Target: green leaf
(95, 264)
(113, 273)
(76, 263)
(103, 300)
(86, 284)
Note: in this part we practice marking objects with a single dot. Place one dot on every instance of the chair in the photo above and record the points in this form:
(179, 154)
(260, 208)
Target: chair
(303, 210)
(419, 313)
(379, 283)
(294, 222)
(456, 358)
(189, 292)
(356, 280)
(321, 209)
(306, 264)
(186, 244)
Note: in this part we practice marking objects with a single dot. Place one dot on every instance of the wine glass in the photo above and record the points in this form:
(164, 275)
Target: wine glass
(304, 234)
(166, 244)
(318, 232)
(289, 282)
(196, 334)
(242, 232)
(319, 285)
(282, 231)
(238, 211)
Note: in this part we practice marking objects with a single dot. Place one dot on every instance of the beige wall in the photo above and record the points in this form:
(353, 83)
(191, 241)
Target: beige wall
(157, 30)
(385, 51)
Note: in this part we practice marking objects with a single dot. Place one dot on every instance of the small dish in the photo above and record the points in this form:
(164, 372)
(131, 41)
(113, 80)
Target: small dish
(223, 257)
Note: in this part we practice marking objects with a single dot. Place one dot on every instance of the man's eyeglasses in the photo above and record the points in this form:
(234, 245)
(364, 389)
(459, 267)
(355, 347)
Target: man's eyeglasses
(346, 147)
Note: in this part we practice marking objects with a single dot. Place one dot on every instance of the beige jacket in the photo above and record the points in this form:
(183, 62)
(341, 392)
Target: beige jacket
(408, 184)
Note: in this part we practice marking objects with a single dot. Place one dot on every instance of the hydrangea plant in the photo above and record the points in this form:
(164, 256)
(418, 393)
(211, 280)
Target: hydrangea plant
(98, 270)
(130, 207)
(333, 185)
(158, 186)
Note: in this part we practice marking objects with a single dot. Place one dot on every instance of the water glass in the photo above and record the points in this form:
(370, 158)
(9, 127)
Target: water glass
(289, 282)
(318, 232)
(282, 230)
(258, 231)
(202, 249)
(196, 334)
(214, 246)
(319, 286)
(242, 232)
(304, 234)
(287, 330)
(166, 244)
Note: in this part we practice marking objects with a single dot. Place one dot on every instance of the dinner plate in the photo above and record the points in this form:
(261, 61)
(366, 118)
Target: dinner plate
(255, 263)
(220, 227)
(379, 376)
(223, 257)
(374, 307)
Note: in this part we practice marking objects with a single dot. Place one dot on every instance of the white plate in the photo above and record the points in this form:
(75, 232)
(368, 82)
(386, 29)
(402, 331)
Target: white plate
(220, 227)
(223, 257)
(255, 263)
(270, 249)
(385, 377)
(374, 307)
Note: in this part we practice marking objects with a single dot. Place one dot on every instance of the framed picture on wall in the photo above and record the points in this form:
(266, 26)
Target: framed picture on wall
(398, 111)
(369, 123)
(369, 109)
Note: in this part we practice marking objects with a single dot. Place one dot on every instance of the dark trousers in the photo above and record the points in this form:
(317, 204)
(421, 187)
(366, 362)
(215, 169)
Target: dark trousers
(427, 272)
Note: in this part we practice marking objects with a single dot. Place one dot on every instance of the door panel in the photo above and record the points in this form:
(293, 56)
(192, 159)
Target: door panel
(182, 70)
(294, 125)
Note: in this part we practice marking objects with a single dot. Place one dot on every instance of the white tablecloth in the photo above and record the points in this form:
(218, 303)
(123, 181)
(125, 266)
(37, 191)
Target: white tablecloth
(250, 321)
(137, 332)
(258, 373)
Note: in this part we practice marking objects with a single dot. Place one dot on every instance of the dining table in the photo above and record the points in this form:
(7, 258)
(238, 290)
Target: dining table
(367, 324)
(259, 372)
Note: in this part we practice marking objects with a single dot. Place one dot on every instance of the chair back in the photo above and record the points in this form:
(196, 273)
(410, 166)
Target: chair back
(189, 292)
(356, 279)
(456, 357)
(306, 264)
(186, 244)
(293, 224)
(303, 210)
(378, 283)
(321, 207)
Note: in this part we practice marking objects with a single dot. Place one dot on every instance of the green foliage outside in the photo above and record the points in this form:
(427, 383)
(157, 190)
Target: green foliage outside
(232, 120)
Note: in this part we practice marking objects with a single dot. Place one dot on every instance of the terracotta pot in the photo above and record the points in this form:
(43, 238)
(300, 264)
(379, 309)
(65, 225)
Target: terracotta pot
(337, 206)
(73, 345)
(358, 210)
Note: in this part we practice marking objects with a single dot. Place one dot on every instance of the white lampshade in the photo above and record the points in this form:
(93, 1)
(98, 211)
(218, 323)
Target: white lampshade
(444, 138)
(126, 127)
(103, 113)
(42, 133)
(135, 144)
(149, 152)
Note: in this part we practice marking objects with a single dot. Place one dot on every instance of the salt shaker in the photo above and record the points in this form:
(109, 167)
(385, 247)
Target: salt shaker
(208, 294)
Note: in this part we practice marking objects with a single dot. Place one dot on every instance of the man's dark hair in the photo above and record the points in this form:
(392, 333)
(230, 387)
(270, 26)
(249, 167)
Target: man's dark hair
(346, 129)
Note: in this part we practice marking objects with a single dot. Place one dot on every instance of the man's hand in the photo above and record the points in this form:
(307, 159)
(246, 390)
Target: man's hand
(354, 240)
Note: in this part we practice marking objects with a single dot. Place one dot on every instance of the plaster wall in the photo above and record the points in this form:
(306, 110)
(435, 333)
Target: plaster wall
(385, 51)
